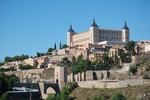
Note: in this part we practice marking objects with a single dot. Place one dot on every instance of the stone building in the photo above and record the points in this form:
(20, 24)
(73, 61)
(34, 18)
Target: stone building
(42, 61)
(142, 47)
(97, 34)
(31, 61)
(114, 50)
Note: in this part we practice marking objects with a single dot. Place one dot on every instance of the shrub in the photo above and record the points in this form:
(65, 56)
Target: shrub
(50, 97)
(26, 67)
(118, 96)
(146, 76)
(133, 69)
(96, 98)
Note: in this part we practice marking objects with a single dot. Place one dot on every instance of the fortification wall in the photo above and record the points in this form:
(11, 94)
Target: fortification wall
(98, 84)
(112, 83)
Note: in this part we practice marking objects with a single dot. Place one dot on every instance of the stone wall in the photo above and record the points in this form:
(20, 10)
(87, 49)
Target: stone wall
(99, 84)
(89, 76)
(112, 83)
(130, 82)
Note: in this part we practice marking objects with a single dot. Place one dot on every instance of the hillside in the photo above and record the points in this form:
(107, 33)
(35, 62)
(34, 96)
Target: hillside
(131, 93)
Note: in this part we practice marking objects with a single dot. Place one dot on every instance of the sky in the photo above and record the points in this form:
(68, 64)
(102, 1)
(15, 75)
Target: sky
(31, 26)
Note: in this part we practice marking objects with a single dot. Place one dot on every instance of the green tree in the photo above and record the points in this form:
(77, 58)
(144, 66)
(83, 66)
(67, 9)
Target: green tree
(122, 55)
(130, 47)
(133, 69)
(50, 97)
(146, 76)
(26, 67)
(55, 46)
(2, 63)
(60, 45)
(64, 46)
(65, 62)
(8, 59)
(118, 96)
(50, 50)
(6, 82)
(4, 97)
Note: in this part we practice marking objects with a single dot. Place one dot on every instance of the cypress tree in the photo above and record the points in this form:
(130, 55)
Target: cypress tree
(60, 45)
(55, 47)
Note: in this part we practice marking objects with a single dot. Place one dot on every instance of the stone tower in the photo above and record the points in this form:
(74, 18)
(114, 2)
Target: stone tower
(60, 76)
(94, 30)
(70, 33)
(125, 33)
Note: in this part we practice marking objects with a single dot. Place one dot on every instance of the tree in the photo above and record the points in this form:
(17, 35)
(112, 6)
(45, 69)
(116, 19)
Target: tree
(26, 67)
(130, 47)
(2, 63)
(8, 59)
(146, 76)
(122, 55)
(64, 46)
(50, 97)
(55, 46)
(50, 50)
(118, 96)
(38, 54)
(6, 82)
(133, 69)
(60, 45)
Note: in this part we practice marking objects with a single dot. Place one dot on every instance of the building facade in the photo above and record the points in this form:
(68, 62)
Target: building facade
(96, 34)
(142, 47)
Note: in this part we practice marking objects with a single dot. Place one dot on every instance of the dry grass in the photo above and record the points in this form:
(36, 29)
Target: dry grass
(129, 92)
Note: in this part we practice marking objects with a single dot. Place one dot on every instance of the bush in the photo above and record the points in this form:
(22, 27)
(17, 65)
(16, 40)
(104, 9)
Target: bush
(4, 97)
(146, 76)
(26, 67)
(118, 96)
(133, 69)
(50, 97)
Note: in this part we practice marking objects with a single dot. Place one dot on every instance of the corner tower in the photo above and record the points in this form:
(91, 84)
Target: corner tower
(125, 33)
(94, 30)
(70, 33)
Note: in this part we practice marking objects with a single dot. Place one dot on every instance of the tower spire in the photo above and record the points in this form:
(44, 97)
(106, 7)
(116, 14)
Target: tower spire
(94, 24)
(70, 29)
(125, 26)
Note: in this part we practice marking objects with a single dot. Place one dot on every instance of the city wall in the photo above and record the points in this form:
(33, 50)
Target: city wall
(112, 83)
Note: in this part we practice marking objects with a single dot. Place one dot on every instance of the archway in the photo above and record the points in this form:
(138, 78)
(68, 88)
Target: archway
(94, 76)
(57, 81)
(50, 90)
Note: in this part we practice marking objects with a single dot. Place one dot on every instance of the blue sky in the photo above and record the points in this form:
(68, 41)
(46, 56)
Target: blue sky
(30, 26)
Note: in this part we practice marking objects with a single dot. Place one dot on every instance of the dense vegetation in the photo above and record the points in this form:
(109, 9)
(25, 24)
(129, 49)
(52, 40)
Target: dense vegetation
(133, 69)
(81, 65)
(118, 96)
(7, 69)
(16, 58)
(26, 67)
(6, 83)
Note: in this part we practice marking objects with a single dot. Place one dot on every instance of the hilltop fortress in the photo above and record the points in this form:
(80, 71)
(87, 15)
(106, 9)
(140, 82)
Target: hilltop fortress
(97, 34)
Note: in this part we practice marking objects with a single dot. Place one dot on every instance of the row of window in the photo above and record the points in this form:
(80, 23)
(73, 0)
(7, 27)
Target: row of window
(80, 40)
(107, 31)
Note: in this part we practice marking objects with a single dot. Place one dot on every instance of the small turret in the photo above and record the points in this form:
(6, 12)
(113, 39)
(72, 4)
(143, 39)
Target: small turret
(70, 33)
(70, 29)
(125, 26)
(125, 33)
(94, 24)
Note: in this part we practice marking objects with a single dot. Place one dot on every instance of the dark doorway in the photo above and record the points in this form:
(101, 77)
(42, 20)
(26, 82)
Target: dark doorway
(57, 81)
(94, 76)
